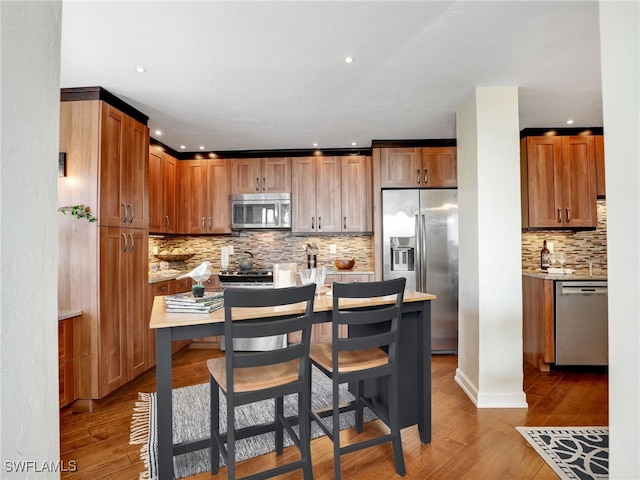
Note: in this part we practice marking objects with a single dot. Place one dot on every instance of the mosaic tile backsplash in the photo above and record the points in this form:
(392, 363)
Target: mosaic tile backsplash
(270, 247)
(577, 246)
(267, 247)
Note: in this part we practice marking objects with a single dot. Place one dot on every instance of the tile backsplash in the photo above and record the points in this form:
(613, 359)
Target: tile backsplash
(267, 247)
(578, 246)
(270, 247)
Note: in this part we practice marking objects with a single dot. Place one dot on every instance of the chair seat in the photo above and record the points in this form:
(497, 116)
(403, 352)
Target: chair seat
(348, 361)
(255, 378)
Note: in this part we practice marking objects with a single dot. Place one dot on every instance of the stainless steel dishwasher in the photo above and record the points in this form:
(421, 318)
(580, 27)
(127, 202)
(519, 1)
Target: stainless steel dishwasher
(581, 323)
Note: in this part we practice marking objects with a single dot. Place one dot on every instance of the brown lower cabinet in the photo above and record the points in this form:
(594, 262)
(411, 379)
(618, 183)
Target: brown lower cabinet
(166, 287)
(66, 389)
(538, 322)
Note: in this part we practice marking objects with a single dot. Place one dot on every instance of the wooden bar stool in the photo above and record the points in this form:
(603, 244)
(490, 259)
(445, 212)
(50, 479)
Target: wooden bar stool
(369, 352)
(248, 377)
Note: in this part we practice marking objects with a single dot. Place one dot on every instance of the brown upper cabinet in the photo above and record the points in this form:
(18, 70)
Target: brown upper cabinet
(123, 171)
(204, 196)
(558, 182)
(601, 191)
(331, 194)
(418, 167)
(356, 181)
(162, 192)
(261, 175)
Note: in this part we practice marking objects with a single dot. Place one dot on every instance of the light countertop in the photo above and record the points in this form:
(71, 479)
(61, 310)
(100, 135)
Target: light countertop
(156, 277)
(161, 319)
(352, 271)
(64, 314)
(576, 275)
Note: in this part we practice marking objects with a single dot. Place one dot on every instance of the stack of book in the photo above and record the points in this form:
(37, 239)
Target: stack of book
(187, 303)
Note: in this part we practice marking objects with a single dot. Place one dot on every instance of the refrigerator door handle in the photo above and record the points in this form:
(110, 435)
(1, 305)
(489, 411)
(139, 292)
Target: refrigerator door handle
(423, 253)
(418, 263)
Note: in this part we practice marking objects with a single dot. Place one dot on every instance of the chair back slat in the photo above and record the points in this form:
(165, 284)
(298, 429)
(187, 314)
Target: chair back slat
(270, 357)
(363, 343)
(374, 289)
(268, 327)
(368, 315)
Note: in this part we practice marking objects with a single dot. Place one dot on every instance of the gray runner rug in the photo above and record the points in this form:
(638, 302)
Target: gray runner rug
(191, 421)
(572, 452)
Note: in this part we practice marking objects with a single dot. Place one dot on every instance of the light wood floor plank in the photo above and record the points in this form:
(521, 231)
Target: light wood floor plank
(468, 443)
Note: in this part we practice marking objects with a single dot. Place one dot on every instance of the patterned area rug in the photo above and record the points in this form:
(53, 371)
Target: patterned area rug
(191, 421)
(572, 452)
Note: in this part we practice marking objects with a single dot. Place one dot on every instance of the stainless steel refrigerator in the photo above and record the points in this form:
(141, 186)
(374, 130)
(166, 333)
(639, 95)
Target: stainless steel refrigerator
(420, 243)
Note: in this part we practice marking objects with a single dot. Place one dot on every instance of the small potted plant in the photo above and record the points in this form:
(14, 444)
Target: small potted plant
(78, 211)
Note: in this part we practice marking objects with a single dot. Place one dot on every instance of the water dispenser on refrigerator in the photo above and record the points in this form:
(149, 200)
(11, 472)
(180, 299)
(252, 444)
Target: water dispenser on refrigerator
(403, 251)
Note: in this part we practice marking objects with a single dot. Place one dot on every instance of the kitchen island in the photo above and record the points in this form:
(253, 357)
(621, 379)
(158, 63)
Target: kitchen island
(414, 337)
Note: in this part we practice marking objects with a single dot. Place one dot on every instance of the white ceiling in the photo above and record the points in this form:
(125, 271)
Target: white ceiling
(238, 75)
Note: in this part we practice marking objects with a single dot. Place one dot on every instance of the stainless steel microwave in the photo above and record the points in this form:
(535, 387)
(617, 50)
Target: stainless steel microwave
(260, 210)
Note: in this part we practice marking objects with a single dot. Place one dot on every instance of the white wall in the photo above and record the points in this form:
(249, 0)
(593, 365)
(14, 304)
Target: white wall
(30, 97)
(620, 58)
(490, 313)
(468, 372)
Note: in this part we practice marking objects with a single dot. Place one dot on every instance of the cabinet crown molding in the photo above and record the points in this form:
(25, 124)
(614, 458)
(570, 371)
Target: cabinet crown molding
(77, 94)
(560, 132)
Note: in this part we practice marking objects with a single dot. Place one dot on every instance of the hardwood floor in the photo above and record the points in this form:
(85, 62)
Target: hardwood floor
(468, 443)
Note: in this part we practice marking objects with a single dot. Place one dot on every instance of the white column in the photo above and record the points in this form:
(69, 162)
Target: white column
(30, 37)
(620, 61)
(490, 292)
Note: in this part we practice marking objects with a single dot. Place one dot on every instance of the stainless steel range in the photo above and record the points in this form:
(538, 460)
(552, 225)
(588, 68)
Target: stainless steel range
(246, 278)
(251, 279)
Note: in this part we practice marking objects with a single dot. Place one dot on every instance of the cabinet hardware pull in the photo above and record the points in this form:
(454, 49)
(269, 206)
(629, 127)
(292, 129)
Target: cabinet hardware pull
(344, 223)
(313, 223)
(209, 223)
(264, 183)
(319, 223)
(124, 248)
(426, 176)
(132, 213)
(132, 243)
(166, 220)
(257, 184)
(418, 176)
(124, 213)
(202, 224)
(559, 215)
(568, 215)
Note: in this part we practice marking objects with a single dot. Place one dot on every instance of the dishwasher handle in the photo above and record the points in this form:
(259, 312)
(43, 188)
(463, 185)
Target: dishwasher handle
(573, 289)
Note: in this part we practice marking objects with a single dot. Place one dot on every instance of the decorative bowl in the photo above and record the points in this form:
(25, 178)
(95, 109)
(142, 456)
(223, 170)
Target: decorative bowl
(344, 264)
(174, 257)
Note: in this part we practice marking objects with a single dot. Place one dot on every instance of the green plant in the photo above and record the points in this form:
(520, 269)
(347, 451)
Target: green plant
(78, 211)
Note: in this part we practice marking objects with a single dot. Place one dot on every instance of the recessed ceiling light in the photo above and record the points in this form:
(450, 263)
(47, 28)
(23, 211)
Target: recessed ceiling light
(158, 132)
(141, 69)
(569, 122)
(183, 147)
(315, 144)
(353, 144)
(201, 147)
(349, 60)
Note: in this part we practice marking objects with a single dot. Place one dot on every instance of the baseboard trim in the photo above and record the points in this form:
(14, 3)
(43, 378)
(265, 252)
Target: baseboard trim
(481, 400)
